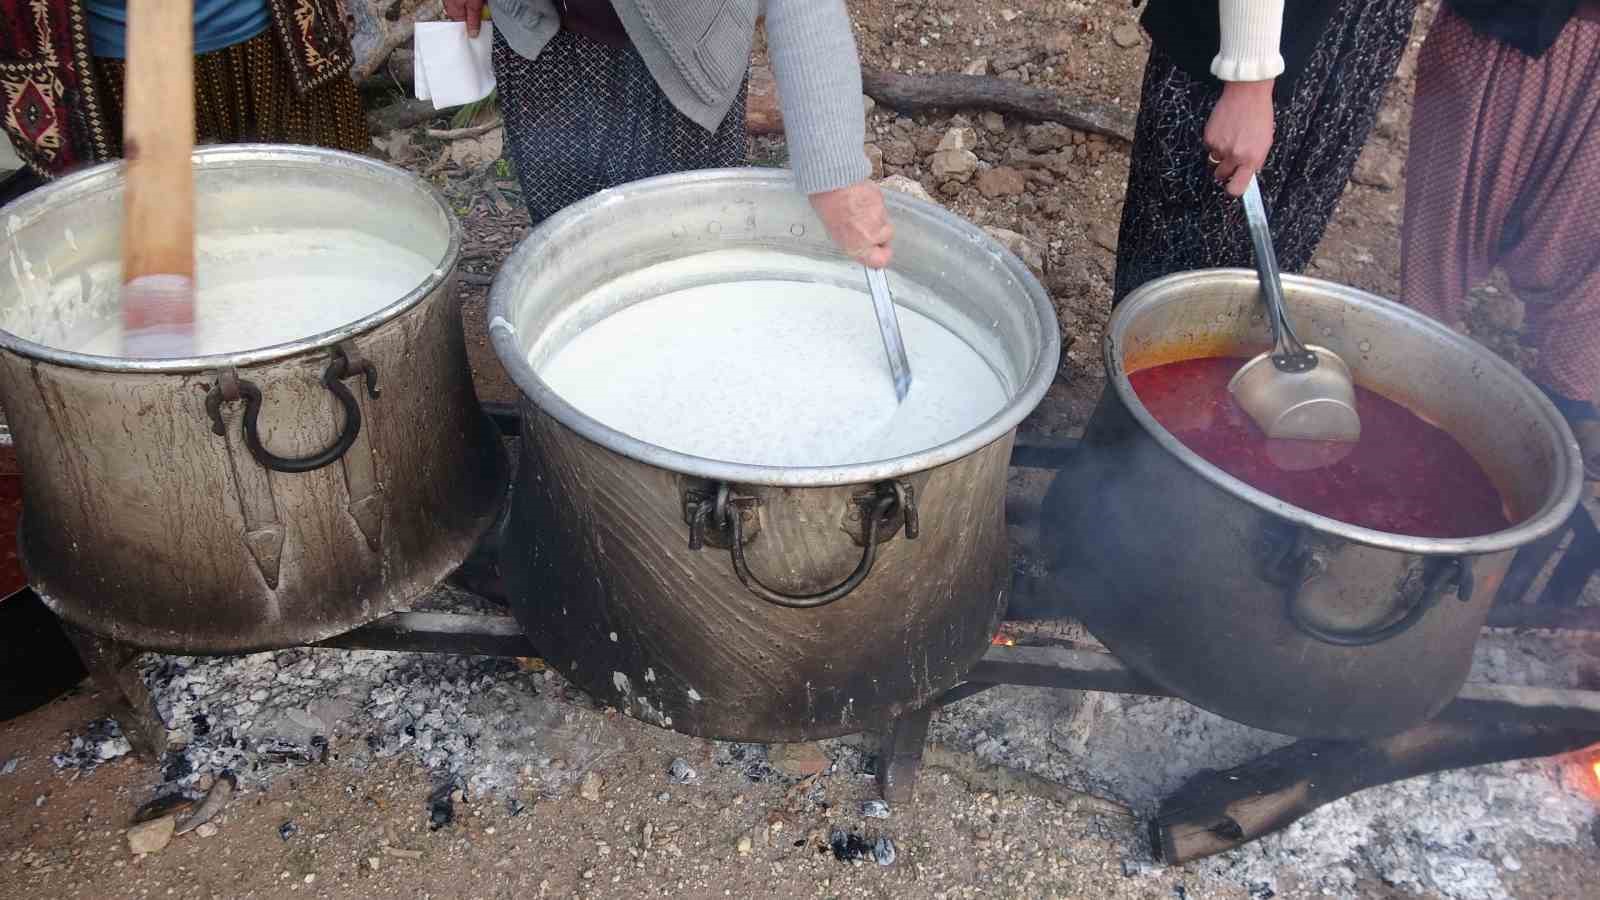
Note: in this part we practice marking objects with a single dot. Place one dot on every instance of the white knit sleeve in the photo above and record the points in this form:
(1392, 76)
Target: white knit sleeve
(1251, 30)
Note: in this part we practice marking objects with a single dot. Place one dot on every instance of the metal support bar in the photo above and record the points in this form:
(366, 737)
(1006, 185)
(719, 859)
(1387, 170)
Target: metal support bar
(439, 633)
(900, 756)
(1577, 564)
(1544, 616)
(112, 666)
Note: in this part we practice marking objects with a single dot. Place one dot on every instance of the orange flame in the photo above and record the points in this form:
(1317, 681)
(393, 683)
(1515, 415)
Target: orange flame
(1597, 770)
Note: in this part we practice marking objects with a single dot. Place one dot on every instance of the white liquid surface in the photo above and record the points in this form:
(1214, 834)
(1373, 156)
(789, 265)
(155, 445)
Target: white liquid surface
(255, 289)
(778, 373)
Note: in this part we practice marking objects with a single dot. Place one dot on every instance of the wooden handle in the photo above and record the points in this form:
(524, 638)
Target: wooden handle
(158, 140)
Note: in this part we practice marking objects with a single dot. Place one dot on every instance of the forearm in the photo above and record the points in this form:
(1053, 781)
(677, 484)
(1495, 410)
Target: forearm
(1251, 35)
(814, 62)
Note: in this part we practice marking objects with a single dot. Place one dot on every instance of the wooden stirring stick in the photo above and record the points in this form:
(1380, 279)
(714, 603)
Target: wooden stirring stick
(158, 203)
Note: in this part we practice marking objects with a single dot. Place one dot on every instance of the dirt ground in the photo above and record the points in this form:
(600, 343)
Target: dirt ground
(365, 834)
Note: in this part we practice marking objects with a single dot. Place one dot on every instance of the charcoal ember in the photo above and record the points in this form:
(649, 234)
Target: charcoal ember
(164, 804)
(883, 851)
(287, 830)
(442, 806)
(680, 772)
(849, 847)
(875, 809)
(201, 724)
(102, 741)
(276, 750)
(751, 760)
(176, 767)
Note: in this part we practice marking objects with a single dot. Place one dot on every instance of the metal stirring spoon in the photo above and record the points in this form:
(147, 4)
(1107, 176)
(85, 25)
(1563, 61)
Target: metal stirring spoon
(889, 327)
(1295, 390)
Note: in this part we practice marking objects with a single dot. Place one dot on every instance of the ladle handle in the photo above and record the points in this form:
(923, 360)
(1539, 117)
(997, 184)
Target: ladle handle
(1284, 340)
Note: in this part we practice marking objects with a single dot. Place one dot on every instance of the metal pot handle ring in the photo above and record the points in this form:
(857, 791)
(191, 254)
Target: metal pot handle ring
(885, 500)
(346, 362)
(1452, 573)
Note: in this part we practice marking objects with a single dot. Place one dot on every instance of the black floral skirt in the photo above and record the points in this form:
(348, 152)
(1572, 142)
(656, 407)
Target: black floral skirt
(1176, 217)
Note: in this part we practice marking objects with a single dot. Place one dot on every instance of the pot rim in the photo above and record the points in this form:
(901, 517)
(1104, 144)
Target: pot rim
(1553, 514)
(93, 180)
(513, 356)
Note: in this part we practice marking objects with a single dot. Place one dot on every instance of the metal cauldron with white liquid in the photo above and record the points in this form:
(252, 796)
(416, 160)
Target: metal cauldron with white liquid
(743, 601)
(1258, 610)
(299, 484)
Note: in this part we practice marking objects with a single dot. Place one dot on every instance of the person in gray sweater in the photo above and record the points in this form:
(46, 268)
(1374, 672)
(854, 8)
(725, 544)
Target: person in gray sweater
(597, 93)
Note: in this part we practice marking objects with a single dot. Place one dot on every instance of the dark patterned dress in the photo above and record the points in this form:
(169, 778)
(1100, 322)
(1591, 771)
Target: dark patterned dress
(1176, 217)
(585, 116)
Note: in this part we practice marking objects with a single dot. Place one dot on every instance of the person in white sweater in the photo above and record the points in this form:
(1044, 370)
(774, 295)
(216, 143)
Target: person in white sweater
(1284, 90)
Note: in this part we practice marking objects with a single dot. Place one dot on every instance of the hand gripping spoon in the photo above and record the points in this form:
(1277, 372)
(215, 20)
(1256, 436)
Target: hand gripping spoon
(889, 326)
(1295, 391)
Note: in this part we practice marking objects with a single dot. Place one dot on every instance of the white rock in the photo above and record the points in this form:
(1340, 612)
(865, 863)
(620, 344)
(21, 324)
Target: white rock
(959, 139)
(1028, 251)
(152, 836)
(953, 165)
(904, 185)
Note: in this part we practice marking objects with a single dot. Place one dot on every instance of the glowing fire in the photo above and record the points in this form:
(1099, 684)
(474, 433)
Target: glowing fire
(1597, 770)
(1001, 639)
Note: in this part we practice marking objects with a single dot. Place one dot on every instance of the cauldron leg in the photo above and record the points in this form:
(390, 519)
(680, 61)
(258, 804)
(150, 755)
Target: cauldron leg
(900, 756)
(1218, 811)
(112, 666)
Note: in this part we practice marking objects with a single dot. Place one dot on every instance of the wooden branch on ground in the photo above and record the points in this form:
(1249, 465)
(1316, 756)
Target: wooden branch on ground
(922, 93)
(1218, 811)
(404, 114)
(472, 131)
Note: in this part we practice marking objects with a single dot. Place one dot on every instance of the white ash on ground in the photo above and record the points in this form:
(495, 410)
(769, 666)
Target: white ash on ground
(1449, 835)
(485, 723)
(492, 725)
(102, 741)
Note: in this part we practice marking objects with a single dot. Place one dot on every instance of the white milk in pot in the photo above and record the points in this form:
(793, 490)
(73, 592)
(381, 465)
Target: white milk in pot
(256, 287)
(770, 371)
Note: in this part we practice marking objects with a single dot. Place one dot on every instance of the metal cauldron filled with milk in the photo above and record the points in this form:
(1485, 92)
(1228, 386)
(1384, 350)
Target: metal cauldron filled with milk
(321, 462)
(723, 519)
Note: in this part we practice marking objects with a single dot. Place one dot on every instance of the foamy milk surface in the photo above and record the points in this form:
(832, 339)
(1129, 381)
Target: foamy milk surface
(772, 372)
(255, 288)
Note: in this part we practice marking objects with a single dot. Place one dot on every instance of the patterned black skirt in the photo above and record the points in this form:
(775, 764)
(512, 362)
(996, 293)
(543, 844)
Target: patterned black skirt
(585, 116)
(1176, 217)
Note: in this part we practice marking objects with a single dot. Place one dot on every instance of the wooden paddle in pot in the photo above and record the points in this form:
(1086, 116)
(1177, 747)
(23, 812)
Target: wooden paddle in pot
(158, 279)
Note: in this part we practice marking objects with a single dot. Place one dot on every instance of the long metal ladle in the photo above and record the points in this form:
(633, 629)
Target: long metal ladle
(1295, 390)
(889, 326)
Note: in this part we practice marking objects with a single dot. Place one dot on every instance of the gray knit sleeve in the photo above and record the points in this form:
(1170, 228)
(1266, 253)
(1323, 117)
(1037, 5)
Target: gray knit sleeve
(814, 61)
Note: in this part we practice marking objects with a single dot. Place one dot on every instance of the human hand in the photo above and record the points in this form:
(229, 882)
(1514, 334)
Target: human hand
(1239, 133)
(858, 222)
(468, 11)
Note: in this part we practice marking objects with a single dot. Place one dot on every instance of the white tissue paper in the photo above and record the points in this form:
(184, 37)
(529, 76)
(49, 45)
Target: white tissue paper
(452, 69)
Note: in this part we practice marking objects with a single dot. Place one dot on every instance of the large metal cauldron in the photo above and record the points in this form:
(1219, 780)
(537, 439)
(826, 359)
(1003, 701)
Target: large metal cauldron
(618, 556)
(149, 518)
(1258, 610)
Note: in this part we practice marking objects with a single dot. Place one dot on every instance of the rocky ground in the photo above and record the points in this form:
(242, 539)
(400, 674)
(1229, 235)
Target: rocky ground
(476, 778)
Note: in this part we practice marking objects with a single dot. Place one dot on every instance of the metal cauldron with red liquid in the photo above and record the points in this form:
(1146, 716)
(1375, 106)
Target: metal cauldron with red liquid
(1262, 611)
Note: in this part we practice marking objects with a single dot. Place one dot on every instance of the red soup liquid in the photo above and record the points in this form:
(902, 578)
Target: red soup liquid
(1404, 476)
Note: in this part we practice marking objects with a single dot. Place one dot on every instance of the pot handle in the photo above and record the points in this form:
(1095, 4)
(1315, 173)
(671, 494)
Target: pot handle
(230, 387)
(1454, 573)
(879, 508)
